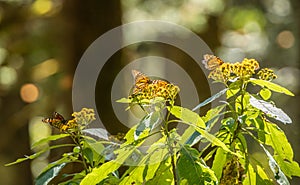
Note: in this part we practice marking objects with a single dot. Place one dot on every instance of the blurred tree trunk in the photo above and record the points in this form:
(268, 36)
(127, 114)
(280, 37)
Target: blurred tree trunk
(82, 23)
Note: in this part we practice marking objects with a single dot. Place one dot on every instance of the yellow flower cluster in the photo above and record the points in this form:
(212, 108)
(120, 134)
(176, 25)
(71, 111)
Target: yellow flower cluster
(229, 71)
(84, 117)
(266, 74)
(157, 88)
(70, 125)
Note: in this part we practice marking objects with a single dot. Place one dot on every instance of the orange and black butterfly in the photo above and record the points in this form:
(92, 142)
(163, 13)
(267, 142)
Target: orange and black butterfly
(211, 62)
(57, 121)
(145, 88)
(141, 81)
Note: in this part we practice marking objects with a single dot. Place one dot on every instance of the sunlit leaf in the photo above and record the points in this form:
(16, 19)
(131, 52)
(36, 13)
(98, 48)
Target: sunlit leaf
(191, 170)
(124, 100)
(49, 138)
(150, 121)
(193, 119)
(97, 132)
(256, 176)
(265, 93)
(191, 137)
(272, 86)
(163, 174)
(149, 164)
(213, 115)
(234, 88)
(187, 116)
(100, 173)
(283, 152)
(48, 175)
(219, 162)
(35, 155)
(250, 176)
(270, 110)
(209, 100)
(134, 177)
(278, 174)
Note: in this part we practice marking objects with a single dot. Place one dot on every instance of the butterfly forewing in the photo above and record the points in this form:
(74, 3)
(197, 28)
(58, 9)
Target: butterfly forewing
(57, 121)
(141, 81)
(211, 62)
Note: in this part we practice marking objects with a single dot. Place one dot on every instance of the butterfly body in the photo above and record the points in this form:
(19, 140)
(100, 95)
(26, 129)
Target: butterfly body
(212, 62)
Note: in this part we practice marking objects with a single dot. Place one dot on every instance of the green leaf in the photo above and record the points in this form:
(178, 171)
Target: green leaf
(272, 86)
(123, 153)
(48, 175)
(191, 118)
(279, 175)
(212, 116)
(100, 173)
(149, 164)
(234, 88)
(209, 100)
(265, 93)
(214, 140)
(191, 137)
(88, 153)
(163, 174)
(64, 160)
(35, 155)
(97, 132)
(256, 176)
(134, 177)
(191, 170)
(283, 152)
(47, 139)
(219, 162)
(124, 100)
(270, 110)
(187, 116)
(150, 121)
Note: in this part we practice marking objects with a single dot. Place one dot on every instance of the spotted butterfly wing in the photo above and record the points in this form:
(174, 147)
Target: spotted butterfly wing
(211, 62)
(57, 121)
(141, 81)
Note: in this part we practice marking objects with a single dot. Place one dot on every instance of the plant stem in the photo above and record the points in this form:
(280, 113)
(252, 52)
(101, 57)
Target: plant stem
(171, 151)
(76, 139)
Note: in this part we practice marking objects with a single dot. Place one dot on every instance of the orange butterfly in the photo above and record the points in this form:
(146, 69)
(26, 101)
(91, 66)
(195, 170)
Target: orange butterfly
(141, 81)
(58, 121)
(211, 62)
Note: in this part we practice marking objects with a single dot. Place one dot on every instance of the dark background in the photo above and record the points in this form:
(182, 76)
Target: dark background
(42, 41)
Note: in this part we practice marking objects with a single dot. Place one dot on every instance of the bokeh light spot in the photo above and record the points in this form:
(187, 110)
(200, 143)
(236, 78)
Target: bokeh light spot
(8, 76)
(285, 39)
(41, 7)
(45, 69)
(29, 93)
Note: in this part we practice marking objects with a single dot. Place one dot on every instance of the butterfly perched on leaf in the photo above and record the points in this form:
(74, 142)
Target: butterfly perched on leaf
(211, 62)
(145, 88)
(59, 122)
